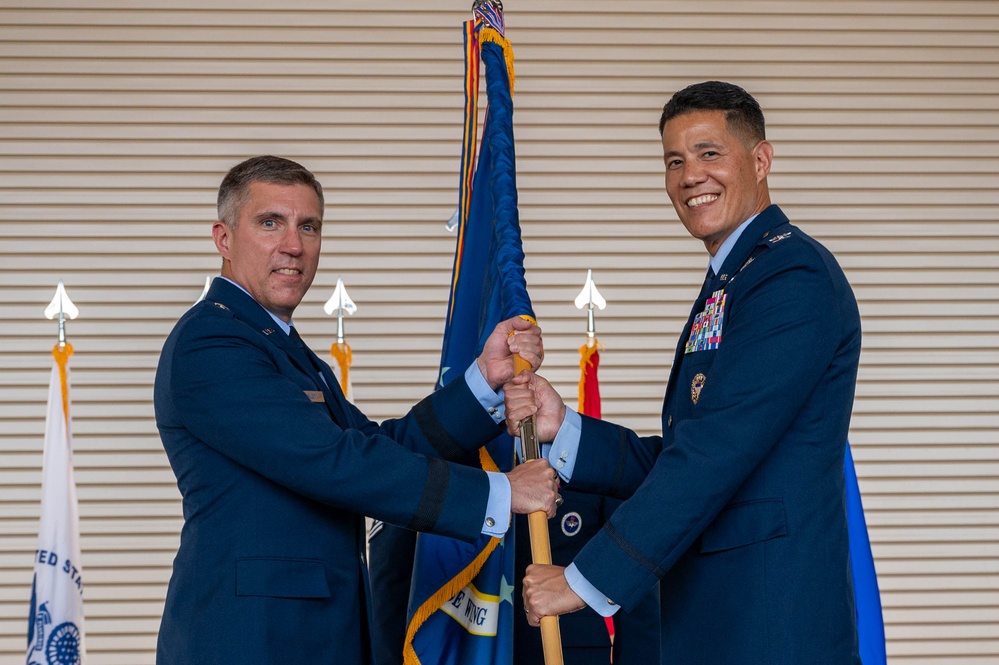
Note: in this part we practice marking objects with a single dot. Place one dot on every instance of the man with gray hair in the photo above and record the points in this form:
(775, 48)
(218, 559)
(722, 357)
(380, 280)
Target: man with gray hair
(277, 469)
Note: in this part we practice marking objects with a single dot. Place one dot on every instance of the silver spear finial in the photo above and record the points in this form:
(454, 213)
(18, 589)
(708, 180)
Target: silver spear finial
(340, 303)
(62, 307)
(587, 298)
(204, 291)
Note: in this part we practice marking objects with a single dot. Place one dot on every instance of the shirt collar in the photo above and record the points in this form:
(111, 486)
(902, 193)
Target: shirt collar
(718, 260)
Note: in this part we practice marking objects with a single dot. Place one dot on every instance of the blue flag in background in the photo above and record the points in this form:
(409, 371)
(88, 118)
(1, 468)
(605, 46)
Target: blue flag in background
(870, 624)
(460, 609)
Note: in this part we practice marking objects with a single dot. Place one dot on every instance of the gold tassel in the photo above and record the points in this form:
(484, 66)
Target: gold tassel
(490, 35)
(344, 357)
(61, 353)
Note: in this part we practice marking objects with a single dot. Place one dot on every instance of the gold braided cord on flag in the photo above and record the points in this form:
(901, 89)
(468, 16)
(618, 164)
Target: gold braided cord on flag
(489, 35)
(61, 353)
(456, 584)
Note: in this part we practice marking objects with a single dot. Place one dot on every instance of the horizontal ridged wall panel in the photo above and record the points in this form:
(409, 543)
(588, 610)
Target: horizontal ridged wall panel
(117, 121)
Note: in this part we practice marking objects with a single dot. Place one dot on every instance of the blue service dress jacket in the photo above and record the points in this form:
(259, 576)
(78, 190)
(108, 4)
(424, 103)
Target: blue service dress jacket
(738, 508)
(275, 468)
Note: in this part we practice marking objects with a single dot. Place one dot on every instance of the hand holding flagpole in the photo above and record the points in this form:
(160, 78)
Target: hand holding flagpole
(537, 522)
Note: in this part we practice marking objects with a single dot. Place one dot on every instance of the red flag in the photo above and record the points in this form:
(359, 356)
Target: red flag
(589, 387)
(589, 404)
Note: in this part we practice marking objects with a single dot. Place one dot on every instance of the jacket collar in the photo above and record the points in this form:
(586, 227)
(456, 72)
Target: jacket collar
(756, 233)
(225, 294)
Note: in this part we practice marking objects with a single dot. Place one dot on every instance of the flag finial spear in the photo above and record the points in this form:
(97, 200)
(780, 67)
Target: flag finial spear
(62, 307)
(587, 298)
(204, 291)
(340, 303)
(491, 13)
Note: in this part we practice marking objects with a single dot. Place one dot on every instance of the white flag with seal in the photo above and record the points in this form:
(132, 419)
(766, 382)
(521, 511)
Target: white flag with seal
(55, 622)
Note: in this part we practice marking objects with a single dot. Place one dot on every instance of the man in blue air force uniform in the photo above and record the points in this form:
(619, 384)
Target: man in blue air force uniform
(738, 508)
(276, 468)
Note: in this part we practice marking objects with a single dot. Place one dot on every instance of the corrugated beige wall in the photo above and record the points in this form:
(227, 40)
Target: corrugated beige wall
(118, 119)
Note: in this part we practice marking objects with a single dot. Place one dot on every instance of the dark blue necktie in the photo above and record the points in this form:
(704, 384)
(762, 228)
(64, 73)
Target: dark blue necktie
(333, 394)
(709, 279)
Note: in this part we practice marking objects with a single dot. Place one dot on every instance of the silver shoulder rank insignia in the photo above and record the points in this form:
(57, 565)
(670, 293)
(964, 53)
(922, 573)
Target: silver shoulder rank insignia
(220, 305)
(571, 524)
(777, 239)
(695, 387)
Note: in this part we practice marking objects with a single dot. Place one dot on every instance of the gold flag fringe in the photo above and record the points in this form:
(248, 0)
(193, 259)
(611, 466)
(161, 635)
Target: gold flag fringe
(490, 35)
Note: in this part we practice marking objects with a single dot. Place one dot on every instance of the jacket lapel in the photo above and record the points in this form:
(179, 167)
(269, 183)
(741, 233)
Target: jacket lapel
(224, 294)
(759, 228)
(335, 399)
(754, 234)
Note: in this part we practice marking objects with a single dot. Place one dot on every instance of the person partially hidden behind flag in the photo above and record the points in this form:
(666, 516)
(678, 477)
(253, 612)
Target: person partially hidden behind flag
(738, 508)
(276, 468)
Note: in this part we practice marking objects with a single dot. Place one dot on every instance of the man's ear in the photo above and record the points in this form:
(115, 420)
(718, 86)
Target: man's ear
(763, 153)
(221, 234)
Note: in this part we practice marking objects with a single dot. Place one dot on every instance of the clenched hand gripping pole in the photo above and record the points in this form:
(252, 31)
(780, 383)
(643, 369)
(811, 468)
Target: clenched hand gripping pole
(541, 548)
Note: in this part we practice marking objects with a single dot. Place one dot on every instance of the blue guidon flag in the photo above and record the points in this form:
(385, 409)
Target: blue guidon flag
(460, 606)
(870, 623)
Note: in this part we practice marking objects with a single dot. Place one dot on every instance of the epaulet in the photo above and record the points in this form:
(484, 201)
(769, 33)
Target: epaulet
(761, 246)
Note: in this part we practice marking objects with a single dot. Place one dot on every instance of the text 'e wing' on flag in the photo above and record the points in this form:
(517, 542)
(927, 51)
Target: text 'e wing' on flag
(55, 618)
(460, 610)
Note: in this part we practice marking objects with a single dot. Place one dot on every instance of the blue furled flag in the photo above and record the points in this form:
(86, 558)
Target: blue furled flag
(870, 624)
(461, 609)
